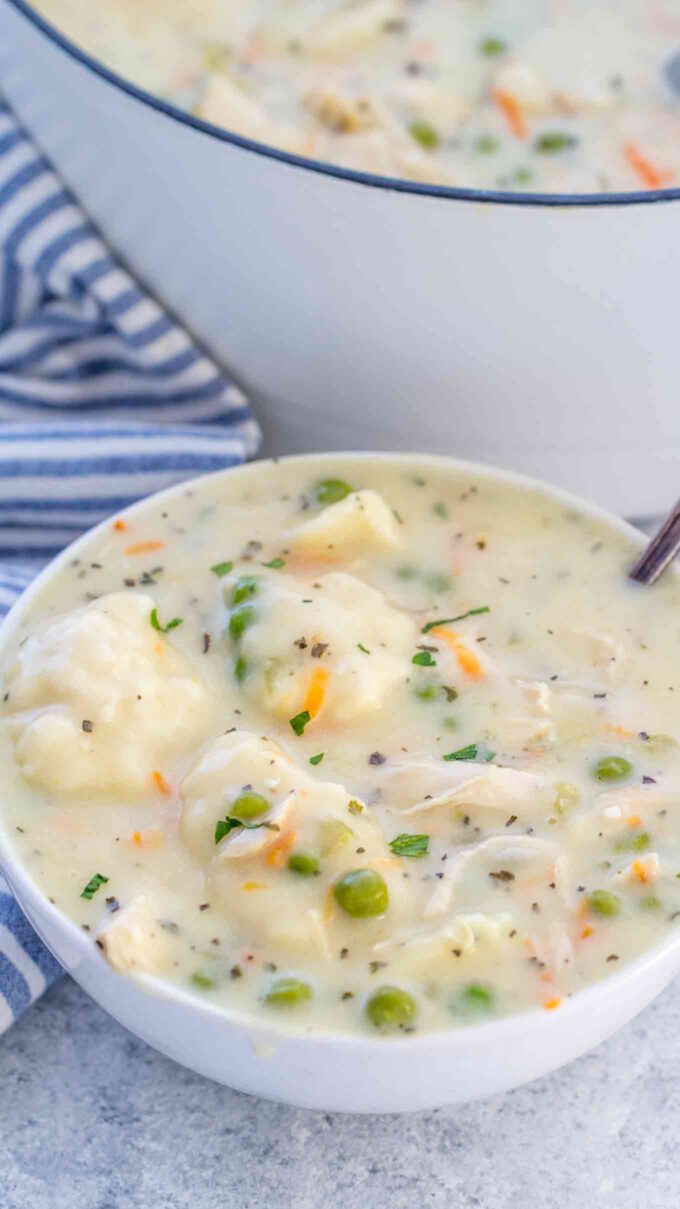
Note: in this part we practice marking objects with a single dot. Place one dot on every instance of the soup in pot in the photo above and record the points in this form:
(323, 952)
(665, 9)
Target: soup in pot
(364, 744)
(543, 95)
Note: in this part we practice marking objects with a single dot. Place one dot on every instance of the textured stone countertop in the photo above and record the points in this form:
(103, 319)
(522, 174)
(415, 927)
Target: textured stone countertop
(91, 1118)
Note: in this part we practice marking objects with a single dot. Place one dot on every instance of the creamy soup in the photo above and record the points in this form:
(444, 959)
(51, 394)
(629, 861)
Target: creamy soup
(543, 95)
(354, 744)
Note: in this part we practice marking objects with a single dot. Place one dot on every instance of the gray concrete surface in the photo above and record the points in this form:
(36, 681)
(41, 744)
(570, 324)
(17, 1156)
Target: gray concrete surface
(91, 1118)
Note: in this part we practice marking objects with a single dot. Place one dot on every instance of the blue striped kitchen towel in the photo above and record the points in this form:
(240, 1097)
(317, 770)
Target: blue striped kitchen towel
(103, 399)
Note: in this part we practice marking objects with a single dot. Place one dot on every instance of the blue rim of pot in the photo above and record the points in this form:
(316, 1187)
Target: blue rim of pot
(391, 184)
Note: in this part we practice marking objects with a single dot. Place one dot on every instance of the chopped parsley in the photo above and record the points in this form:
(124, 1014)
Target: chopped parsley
(93, 885)
(163, 629)
(224, 826)
(240, 669)
(275, 564)
(464, 753)
(424, 659)
(431, 625)
(220, 569)
(354, 806)
(410, 845)
(363, 648)
(316, 759)
(300, 721)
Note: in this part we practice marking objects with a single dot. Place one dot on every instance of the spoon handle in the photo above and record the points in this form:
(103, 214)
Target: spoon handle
(661, 550)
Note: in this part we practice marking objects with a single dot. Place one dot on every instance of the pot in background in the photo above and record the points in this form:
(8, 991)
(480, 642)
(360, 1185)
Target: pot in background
(538, 333)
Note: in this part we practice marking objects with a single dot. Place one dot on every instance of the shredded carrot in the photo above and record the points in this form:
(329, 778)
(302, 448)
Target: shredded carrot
(280, 849)
(467, 660)
(551, 1004)
(547, 978)
(144, 547)
(634, 820)
(316, 692)
(120, 526)
(512, 112)
(587, 931)
(650, 176)
(254, 886)
(160, 782)
(151, 837)
(622, 731)
(639, 872)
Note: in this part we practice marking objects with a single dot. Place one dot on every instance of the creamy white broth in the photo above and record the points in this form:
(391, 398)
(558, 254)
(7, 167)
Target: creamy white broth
(543, 95)
(123, 747)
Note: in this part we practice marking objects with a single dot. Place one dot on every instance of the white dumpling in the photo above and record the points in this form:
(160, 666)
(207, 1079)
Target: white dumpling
(98, 699)
(244, 869)
(352, 527)
(241, 760)
(333, 647)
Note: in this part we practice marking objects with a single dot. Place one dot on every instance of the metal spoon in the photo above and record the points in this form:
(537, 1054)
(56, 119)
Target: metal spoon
(672, 73)
(660, 552)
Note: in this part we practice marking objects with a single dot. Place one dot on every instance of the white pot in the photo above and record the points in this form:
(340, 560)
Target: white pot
(374, 314)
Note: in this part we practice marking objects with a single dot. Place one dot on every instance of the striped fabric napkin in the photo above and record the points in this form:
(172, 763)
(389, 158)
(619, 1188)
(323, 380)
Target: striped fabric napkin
(103, 399)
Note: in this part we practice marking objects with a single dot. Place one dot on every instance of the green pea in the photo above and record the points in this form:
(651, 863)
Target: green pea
(425, 134)
(603, 902)
(240, 669)
(241, 618)
(477, 998)
(303, 863)
(650, 902)
(613, 768)
(391, 1008)
(362, 892)
(203, 981)
(428, 693)
(288, 992)
(331, 491)
(248, 805)
(244, 588)
(492, 46)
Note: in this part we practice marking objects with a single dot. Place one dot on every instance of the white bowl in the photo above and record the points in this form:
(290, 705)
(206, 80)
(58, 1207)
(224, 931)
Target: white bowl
(332, 1071)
